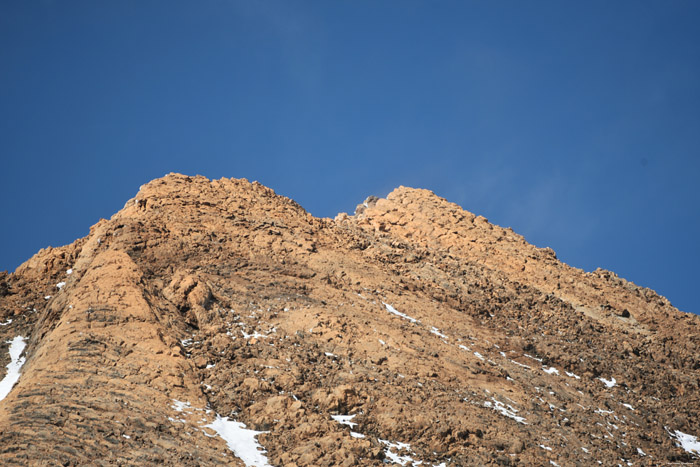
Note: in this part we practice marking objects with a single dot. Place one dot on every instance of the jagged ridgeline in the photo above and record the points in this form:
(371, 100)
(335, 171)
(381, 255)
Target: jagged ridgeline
(215, 322)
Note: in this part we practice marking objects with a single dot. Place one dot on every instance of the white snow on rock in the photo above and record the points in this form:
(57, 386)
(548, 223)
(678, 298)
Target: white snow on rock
(356, 435)
(344, 419)
(393, 311)
(69, 272)
(688, 443)
(17, 346)
(394, 457)
(572, 375)
(241, 441)
(609, 383)
(255, 335)
(520, 364)
(504, 410)
(551, 370)
(6, 322)
(479, 356)
(437, 332)
(60, 285)
(180, 406)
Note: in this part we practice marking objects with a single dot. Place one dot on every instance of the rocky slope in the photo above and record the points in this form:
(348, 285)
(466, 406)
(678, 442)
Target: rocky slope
(446, 340)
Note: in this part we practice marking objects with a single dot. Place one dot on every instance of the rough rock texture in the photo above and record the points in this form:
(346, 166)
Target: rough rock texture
(432, 326)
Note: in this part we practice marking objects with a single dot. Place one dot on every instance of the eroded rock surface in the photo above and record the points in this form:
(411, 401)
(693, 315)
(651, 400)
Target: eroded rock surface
(412, 331)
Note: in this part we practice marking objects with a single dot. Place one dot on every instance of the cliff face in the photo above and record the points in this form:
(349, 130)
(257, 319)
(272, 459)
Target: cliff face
(444, 338)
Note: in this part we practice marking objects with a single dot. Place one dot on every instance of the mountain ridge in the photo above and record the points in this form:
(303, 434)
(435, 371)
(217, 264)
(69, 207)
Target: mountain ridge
(208, 299)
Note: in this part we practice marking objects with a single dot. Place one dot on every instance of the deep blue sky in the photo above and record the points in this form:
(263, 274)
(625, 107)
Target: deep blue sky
(575, 123)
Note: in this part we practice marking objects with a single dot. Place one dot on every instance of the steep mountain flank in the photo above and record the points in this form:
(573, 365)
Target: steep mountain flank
(410, 332)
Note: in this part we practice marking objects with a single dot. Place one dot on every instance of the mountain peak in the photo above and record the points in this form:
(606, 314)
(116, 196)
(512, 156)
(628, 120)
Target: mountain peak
(412, 331)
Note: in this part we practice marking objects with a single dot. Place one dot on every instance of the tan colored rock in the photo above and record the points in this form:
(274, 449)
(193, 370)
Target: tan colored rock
(424, 323)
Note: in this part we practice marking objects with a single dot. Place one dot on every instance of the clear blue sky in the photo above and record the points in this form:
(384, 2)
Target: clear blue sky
(575, 123)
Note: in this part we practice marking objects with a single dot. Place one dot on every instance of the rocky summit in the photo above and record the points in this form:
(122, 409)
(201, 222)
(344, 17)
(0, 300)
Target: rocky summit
(215, 322)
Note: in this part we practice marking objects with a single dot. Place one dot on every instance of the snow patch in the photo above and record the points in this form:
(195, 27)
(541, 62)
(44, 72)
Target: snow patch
(478, 355)
(17, 346)
(60, 285)
(345, 419)
(393, 311)
(256, 334)
(180, 406)
(240, 441)
(688, 443)
(394, 457)
(520, 364)
(437, 332)
(572, 375)
(551, 370)
(6, 322)
(609, 383)
(505, 410)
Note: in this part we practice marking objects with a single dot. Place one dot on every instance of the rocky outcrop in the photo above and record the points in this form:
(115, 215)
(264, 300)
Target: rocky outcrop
(412, 331)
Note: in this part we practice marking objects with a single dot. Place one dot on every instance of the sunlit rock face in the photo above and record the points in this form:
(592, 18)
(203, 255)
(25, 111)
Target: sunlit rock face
(215, 322)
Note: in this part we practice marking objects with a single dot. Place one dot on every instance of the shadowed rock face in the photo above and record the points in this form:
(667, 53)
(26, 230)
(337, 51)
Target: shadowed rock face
(433, 327)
